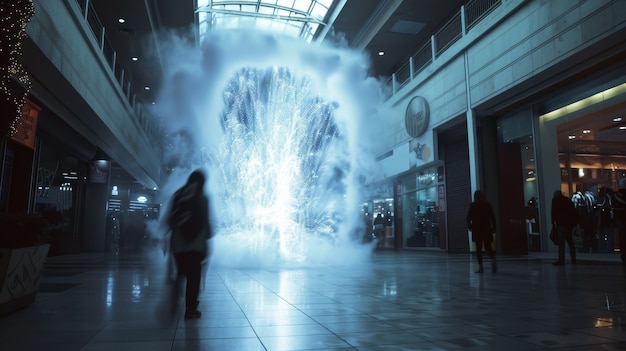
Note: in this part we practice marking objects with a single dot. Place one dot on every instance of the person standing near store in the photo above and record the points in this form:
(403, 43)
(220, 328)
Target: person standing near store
(605, 221)
(619, 215)
(564, 218)
(189, 221)
(379, 230)
(481, 221)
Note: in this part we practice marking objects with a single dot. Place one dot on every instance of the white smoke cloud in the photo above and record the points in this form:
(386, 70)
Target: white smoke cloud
(192, 103)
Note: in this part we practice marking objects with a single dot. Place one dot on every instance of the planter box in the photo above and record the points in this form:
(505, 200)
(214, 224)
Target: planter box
(20, 275)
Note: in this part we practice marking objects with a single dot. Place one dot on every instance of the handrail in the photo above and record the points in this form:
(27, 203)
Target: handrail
(446, 35)
(150, 127)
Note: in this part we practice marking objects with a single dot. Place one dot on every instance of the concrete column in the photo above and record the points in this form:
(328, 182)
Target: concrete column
(93, 224)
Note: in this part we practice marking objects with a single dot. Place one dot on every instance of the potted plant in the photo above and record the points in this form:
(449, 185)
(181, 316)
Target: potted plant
(23, 250)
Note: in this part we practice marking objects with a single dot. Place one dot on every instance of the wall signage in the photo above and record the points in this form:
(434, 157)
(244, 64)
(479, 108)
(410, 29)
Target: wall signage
(417, 116)
(27, 124)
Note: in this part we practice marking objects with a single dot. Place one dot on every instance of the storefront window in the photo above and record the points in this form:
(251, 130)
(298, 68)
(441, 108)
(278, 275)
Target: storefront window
(592, 160)
(591, 145)
(56, 196)
(420, 208)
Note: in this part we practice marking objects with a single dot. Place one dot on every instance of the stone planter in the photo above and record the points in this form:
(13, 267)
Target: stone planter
(20, 275)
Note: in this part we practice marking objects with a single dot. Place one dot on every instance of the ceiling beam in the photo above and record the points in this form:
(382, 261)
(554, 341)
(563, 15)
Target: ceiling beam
(374, 23)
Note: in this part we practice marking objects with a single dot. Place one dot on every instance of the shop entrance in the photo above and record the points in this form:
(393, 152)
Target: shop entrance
(592, 160)
(589, 137)
(421, 194)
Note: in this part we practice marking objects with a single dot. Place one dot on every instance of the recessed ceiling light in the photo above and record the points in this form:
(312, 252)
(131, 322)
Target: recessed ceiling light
(381, 53)
(622, 127)
(121, 20)
(617, 119)
(572, 137)
(146, 88)
(134, 58)
(586, 131)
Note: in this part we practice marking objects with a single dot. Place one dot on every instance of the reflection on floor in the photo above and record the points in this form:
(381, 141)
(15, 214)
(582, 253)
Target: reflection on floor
(414, 300)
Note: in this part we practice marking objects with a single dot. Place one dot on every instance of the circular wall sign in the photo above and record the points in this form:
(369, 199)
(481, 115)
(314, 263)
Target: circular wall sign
(416, 117)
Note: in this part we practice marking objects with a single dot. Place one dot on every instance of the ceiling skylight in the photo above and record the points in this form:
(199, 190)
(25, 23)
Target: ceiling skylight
(294, 18)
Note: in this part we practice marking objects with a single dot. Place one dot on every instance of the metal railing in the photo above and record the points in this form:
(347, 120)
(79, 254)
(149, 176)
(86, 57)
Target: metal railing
(477, 10)
(444, 37)
(150, 126)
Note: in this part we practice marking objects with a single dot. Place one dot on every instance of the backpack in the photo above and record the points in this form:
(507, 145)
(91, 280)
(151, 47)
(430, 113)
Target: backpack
(185, 214)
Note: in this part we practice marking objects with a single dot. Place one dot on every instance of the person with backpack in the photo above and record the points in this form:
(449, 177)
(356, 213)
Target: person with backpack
(188, 220)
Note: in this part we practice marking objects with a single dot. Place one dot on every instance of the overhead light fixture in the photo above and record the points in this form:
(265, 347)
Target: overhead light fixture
(622, 127)
(586, 131)
(121, 20)
(146, 88)
(134, 58)
(571, 137)
(381, 53)
(617, 119)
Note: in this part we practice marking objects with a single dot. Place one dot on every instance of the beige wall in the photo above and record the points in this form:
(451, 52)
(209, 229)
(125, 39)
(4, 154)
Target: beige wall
(510, 50)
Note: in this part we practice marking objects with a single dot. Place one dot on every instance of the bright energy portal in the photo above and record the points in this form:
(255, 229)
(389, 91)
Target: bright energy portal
(288, 163)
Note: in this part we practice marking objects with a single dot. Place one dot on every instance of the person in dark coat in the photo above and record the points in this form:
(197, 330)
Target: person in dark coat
(618, 204)
(190, 249)
(379, 230)
(564, 218)
(481, 221)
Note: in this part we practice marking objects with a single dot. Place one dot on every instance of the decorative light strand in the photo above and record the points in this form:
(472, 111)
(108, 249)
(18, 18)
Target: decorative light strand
(14, 16)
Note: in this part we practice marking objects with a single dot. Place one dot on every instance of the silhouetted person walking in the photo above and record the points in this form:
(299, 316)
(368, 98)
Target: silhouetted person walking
(481, 221)
(188, 219)
(564, 217)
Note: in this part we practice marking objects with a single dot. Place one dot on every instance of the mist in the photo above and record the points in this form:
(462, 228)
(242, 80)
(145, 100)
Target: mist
(284, 130)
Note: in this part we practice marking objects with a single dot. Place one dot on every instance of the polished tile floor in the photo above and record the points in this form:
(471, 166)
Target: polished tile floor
(406, 300)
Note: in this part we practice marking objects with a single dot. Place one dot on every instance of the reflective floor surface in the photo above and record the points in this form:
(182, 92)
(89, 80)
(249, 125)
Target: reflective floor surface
(406, 300)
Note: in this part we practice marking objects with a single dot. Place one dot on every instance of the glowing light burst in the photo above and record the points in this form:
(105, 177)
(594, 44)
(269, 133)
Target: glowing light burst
(281, 165)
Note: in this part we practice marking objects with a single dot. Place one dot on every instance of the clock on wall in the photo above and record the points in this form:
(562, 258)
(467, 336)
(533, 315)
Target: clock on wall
(416, 117)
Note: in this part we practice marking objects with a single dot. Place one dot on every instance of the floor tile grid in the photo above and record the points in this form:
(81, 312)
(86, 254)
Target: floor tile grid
(452, 303)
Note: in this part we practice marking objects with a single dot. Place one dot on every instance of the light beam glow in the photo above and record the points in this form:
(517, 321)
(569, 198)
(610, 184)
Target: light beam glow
(281, 129)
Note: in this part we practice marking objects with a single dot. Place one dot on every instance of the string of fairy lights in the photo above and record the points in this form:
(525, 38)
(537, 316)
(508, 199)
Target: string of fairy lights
(14, 16)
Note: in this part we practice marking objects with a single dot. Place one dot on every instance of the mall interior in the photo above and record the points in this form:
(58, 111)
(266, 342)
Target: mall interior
(517, 98)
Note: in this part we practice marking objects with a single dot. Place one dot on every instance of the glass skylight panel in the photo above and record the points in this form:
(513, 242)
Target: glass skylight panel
(296, 18)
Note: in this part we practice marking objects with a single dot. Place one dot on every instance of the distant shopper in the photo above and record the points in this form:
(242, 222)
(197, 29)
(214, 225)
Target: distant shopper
(619, 215)
(188, 219)
(604, 210)
(367, 231)
(564, 218)
(379, 229)
(481, 221)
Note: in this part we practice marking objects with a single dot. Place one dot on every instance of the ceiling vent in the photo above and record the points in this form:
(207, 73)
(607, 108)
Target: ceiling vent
(407, 27)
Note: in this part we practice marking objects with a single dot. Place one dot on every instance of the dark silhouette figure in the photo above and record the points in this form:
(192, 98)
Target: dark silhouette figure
(605, 220)
(481, 221)
(619, 215)
(564, 218)
(367, 233)
(379, 230)
(188, 219)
